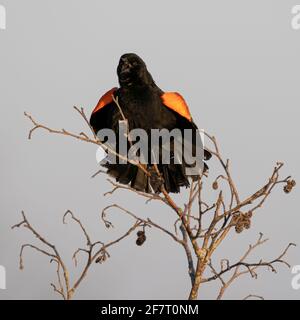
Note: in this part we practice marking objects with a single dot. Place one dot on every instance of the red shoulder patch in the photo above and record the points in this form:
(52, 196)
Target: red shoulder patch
(176, 102)
(105, 99)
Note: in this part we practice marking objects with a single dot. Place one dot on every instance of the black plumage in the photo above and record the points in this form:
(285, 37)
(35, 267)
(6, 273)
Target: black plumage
(142, 105)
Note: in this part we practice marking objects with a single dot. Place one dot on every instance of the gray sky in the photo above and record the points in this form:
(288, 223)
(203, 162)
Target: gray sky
(237, 65)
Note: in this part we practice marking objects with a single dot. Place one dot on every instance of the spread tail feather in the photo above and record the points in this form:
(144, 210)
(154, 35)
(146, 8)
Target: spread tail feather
(172, 176)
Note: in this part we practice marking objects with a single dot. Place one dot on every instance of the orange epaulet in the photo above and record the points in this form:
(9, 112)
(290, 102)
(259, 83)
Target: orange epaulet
(176, 102)
(105, 99)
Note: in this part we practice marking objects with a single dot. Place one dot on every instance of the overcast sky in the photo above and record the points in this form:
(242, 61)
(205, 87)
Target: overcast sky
(237, 65)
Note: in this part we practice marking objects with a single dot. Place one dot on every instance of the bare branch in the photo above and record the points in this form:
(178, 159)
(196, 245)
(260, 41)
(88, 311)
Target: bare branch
(69, 212)
(250, 267)
(81, 137)
(202, 231)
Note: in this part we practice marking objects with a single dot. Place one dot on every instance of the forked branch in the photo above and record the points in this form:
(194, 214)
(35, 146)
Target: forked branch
(203, 229)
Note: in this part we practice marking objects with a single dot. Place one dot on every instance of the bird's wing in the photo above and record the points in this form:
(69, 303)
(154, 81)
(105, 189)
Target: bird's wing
(175, 102)
(105, 100)
(102, 113)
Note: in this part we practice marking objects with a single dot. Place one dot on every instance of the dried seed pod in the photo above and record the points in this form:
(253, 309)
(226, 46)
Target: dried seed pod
(290, 184)
(242, 221)
(141, 238)
(249, 214)
(102, 258)
(215, 185)
(247, 224)
(239, 228)
(140, 233)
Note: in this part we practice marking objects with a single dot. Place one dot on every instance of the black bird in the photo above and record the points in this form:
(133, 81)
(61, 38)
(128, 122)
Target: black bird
(145, 106)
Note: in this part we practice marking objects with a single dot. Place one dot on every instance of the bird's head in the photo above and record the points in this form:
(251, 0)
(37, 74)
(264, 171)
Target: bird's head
(132, 70)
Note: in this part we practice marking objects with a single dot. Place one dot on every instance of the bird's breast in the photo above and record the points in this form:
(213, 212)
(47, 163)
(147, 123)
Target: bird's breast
(143, 109)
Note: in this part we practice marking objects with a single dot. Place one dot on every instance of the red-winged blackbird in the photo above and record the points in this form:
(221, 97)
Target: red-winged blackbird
(145, 106)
